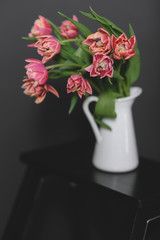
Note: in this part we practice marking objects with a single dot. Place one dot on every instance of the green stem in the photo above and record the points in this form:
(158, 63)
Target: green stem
(69, 40)
(120, 87)
(61, 65)
(30, 38)
(125, 89)
(94, 86)
(119, 81)
(100, 83)
(83, 68)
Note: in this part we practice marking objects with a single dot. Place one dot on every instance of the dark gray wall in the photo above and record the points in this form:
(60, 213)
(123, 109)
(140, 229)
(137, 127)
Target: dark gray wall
(24, 125)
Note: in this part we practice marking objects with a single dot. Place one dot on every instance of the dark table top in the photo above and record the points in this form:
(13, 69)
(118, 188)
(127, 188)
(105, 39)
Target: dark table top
(74, 160)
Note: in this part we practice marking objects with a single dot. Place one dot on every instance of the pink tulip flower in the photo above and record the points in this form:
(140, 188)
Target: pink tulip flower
(48, 47)
(36, 71)
(123, 47)
(39, 91)
(102, 66)
(76, 83)
(40, 27)
(99, 41)
(68, 29)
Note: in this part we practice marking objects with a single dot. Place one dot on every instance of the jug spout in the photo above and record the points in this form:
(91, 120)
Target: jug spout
(90, 117)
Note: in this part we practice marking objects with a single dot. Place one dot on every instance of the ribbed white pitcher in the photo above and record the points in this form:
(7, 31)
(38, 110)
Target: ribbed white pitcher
(115, 150)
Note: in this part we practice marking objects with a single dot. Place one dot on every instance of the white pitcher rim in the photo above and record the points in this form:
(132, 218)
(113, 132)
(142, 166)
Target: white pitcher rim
(134, 92)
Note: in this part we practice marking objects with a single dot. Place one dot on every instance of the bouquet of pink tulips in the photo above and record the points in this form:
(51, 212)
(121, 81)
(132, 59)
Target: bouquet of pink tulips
(105, 63)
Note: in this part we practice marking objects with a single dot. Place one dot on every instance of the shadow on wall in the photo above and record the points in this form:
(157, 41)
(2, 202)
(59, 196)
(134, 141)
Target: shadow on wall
(24, 125)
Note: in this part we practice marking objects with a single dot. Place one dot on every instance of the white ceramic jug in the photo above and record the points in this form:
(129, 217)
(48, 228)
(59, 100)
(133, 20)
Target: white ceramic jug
(115, 150)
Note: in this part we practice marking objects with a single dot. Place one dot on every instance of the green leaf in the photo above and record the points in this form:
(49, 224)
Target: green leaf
(73, 103)
(107, 24)
(67, 47)
(133, 66)
(82, 54)
(131, 32)
(105, 107)
(85, 49)
(103, 124)
(55, 29)
(89, 15)
(72, 57)
(82, 28)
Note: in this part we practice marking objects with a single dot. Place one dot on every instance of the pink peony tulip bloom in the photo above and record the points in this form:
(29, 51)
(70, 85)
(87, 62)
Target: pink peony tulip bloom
(78, 83)
(39, 91)
(99, 41)
(40, 27)
(48, 47)
(68, 29)
(123, 47)
(102, 66)
(36, 71)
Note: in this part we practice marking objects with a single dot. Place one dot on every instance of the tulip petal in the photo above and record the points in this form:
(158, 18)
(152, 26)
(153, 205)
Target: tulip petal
(88, 69)
(123, 47)
(52, 90)
(76, 83)
(132, 41)
(68, 29)
(40, 99)
(41, 27)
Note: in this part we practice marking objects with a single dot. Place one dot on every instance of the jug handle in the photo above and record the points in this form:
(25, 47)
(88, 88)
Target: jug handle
(90, 117)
